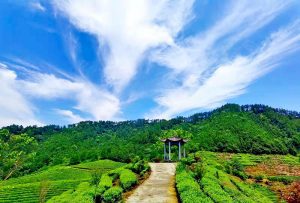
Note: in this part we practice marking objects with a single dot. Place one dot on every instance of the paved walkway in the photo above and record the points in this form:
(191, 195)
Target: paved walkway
(159, 187)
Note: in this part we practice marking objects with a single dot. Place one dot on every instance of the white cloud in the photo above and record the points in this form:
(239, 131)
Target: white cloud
(37, 6)
(14, 107)
(70, 116)
(100, 104)
(230, 79)
(17, 95)
(127, 29)
(196, 54)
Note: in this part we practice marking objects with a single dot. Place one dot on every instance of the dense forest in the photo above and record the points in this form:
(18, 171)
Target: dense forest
(256, 129)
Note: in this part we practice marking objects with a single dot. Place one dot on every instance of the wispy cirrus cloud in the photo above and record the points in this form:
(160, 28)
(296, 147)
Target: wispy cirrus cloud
(231, 78)
(127, 29)
(36, 5)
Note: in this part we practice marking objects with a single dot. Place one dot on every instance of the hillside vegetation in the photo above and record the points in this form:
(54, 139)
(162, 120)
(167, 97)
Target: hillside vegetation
(255, 129)
(224, 177)
(52, 181)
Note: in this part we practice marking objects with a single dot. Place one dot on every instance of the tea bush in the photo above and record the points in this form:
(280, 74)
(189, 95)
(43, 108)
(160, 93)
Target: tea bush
(284, 179)
(127, 179)
(106, 181)
(189, 190)
(113, 194)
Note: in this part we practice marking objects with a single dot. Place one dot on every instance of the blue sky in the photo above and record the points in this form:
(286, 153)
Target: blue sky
(63, 61)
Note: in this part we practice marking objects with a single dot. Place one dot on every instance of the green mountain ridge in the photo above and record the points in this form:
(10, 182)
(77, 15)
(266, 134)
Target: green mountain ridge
(256, 129)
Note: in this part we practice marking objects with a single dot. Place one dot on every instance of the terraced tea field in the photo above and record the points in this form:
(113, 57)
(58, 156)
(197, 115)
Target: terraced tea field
(224, 177)
(54, 180)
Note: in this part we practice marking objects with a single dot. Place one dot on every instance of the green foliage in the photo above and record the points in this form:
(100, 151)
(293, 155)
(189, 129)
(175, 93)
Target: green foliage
(212, 187)
(217, 185)
(127, 179)
(106, 182)
(177, 132)
(259, 178)
(96, 176)
(139, 166)
(59, 179)
(15, 152)
(236, 168)
(82, 194)
(44, 189)
(113, 194)
(188, 188)
(255, 129)
(284, 179)
(199, 171)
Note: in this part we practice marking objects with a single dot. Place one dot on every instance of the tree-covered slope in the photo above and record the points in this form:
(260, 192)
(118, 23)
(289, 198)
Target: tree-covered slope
(256, 129)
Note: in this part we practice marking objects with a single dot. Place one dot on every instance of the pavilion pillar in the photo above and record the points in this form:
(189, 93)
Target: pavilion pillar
(179, 152)
(165, 152)
(183, 151)
(169, 151)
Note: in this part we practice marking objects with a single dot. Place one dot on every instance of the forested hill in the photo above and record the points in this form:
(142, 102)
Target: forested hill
(256, 129)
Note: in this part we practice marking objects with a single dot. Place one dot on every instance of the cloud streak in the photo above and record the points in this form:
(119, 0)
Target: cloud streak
(229, 79)
(127, 29)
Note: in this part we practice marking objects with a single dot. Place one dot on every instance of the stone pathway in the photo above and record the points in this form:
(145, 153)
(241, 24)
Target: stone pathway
(159, 187)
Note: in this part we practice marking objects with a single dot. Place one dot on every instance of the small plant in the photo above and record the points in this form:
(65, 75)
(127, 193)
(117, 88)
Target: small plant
(217, 174)
(235, 167)
(44, 188)
(199, 171)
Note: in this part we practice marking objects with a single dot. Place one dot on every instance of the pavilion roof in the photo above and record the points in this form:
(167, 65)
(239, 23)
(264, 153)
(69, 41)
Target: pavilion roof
(174, 139)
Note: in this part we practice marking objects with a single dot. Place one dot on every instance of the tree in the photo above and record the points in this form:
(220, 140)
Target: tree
(14, 152)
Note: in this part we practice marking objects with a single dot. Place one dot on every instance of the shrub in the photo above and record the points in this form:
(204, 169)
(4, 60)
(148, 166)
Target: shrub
(240, 174)
(285, 180)
(127, 179)
(235, 167)
(139, 166)
(115, 174)
(96, 176)
(113, 194)
(259, 178)
(106, 182)
(199, 171)
(189, 190)
(214, 190)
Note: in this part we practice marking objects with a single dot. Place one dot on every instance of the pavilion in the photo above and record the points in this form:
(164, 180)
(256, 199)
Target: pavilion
(174, 141)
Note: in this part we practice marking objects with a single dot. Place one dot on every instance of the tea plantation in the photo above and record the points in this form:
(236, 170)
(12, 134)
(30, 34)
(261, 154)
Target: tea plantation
(57, 179)
(224, 177)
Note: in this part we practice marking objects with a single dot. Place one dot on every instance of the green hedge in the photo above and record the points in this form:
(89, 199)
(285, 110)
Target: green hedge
(127, 179)
(113, 194)
(189, 190)
(106, 181)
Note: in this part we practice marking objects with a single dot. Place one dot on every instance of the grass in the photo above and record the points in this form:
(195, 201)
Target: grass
(60, 179)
